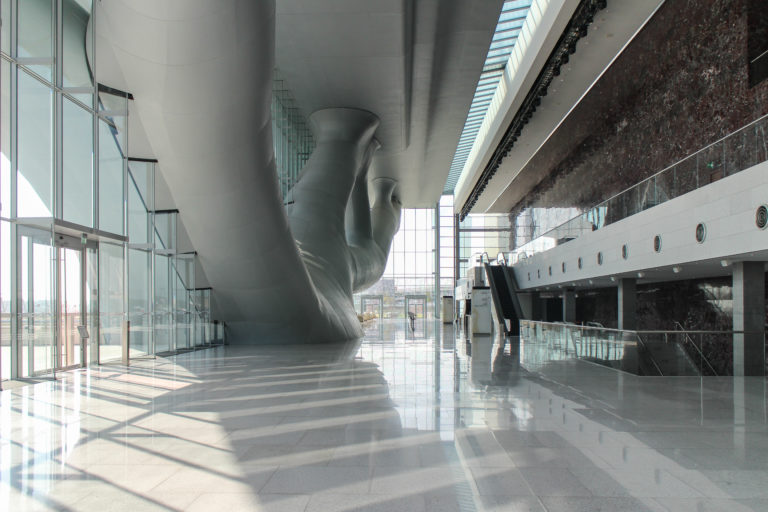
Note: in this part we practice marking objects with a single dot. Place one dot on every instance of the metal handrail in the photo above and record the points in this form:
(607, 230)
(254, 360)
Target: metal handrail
(648, 351)
(644, 331)
(638, 336)
(582, 328)
(690, 340)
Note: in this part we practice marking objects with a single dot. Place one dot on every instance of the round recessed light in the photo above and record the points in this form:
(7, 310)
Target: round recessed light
(761, 216)
(701, 232)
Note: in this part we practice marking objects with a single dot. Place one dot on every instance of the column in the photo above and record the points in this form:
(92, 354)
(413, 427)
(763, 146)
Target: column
(569, 306)
(749, 318)
(627, 304)
(537, 307)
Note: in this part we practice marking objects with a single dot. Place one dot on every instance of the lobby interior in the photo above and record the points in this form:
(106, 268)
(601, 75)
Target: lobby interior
(406, 255)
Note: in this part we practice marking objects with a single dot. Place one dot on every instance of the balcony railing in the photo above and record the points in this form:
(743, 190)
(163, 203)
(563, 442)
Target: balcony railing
(654, 353)
(736, 152)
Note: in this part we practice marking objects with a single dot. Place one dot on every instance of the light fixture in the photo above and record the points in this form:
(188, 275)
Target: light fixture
(613, 278)
(640, 275)
(676, 269)
(724, 263)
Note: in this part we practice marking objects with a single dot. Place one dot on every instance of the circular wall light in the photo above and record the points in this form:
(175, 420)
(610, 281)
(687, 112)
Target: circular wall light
(701, 232)
(761, 216)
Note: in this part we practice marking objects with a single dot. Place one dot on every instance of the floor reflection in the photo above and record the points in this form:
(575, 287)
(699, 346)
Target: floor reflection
(408, 419)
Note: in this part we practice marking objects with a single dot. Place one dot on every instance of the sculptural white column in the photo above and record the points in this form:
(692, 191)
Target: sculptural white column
(278, 276)
(342, 242)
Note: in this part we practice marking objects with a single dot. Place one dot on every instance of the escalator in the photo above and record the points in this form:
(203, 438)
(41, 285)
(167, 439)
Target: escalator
(501, 280)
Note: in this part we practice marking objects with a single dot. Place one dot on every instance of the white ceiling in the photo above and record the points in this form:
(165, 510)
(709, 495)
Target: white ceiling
(415, 64)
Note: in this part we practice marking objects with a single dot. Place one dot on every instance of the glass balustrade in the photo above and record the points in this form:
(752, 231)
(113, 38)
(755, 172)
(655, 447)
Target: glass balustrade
(655, 353)
(736, 152)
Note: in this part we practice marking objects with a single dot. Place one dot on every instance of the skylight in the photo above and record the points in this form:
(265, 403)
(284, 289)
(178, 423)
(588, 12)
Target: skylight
(511, 20)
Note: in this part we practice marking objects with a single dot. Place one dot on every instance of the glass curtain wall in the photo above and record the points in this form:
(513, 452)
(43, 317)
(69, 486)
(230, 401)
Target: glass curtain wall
(163, 323)
(141, 182)
(183, 280)
(292, 137)
(202, 308)
(447, 246)
(181, 313)
(409, 277)
(483, 233)
(65, 170)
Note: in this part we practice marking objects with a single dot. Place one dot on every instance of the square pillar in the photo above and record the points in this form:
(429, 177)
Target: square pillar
(569, 306)
(537, 307)
(749, 317)
(627, 295)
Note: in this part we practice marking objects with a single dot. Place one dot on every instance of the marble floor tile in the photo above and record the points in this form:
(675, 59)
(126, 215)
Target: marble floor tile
(393, 423)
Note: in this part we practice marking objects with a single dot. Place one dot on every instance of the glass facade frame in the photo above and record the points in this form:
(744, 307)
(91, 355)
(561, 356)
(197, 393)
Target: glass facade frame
(65, 172)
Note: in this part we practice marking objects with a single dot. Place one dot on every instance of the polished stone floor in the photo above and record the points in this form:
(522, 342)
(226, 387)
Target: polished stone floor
(402, 422)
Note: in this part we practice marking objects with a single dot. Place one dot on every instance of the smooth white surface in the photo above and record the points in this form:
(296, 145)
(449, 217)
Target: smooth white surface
(407, 425)
(413, 63)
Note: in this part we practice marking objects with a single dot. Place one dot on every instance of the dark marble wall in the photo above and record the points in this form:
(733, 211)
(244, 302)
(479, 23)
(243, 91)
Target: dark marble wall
(701, 304)
(682, 83)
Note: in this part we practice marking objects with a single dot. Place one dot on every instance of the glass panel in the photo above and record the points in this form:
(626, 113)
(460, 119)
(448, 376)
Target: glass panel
(711, 164)
(183, 277)
(92, 303)
(36, 318)
(686, 176)
(77, 163)
(163, 304)
(77, 46)
(35, 147)
(5, 300)
(70, 280)
(140, 194)
(139, 297)
(35, 35)
(665, 185)
(110, 179)
(181, 314)
(111, 302)
(5, 137)
(165, 231)
(761, 140)
(740, 151)
(5, 26)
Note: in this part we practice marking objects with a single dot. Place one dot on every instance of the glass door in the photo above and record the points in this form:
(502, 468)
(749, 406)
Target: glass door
(416, 315)
(71, 317)
(92, 302)
(36, 314)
